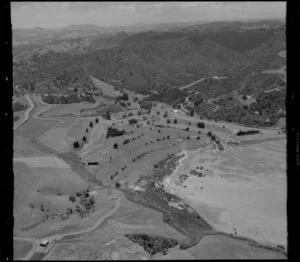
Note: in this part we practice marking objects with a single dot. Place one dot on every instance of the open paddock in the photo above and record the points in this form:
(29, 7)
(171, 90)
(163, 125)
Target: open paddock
(118, 249)
(55, 138)
(21, 248)
(78, 128)
(70, 109)
(36, 180)
(26, 136)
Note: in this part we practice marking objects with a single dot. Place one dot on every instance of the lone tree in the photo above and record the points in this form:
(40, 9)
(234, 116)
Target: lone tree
(91, 124)
(200, 125)
(115, 146)
(187, 129)
(117, 184)
(87, 130)
(97, 120)
(84, 139)
(76, 144)
(168, 121)
(107, 116)
(72, 198)
(175, 121)
(244, 97)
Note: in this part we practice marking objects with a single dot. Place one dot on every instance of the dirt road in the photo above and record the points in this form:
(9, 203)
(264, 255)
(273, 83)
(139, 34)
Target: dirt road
(37, 115)
(35, 242)
(191, 84)
(27, 112)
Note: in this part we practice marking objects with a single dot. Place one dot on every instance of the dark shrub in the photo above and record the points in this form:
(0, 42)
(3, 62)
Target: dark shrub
(113, 132)
(200, 125)
(76, 144)
(72, 198)
(132, 121)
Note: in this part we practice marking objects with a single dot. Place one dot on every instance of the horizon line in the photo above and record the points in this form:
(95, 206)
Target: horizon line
(192, 21)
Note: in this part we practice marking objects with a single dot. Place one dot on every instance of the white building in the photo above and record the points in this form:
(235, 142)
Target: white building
(44, 243)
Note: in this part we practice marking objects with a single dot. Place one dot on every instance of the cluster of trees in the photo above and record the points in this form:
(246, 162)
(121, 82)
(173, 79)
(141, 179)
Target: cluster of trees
(248, 132)
(68, 99)
(265, 111)
(168, 96)
(123, 97)
(144, 104)
(214, 138)
(211, 88)
(152, 244)
(86, 203)
(201, 125)
(106, 115)
(113, 132)
(138, 157)
(152, 64)
(132, 121)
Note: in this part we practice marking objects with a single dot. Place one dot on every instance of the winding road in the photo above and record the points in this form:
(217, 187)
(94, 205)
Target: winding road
(37, 115)
(27, 112)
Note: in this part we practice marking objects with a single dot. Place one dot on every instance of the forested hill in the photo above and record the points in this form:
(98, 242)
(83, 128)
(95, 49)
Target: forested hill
(158, 59)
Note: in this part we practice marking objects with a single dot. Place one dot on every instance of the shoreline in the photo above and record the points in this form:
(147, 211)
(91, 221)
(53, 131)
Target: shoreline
(192, 201)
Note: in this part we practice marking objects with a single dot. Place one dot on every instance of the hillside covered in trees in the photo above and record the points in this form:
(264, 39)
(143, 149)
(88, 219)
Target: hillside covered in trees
(158, 63)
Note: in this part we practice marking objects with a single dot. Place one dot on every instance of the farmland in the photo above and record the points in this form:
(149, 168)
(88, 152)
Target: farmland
(135, 185)
(149, 141)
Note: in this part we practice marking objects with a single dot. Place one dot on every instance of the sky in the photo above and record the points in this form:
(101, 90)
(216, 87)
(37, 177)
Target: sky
(60, 14)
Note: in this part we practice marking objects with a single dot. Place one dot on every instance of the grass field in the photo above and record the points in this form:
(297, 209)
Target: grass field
(150, 142)
(21, 248)
(242, 192)
(55, 138)
(68, 110)
(36, 181)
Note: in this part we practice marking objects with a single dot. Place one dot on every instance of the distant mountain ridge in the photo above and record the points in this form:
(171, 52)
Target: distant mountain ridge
(155, 59)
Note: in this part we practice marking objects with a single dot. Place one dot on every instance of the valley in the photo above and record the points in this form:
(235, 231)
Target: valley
(123, 175)
(140, 144)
